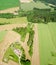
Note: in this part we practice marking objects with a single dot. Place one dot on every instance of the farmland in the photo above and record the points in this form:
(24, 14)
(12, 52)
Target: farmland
(13, 20)
(27, 32)
(47, 36)
(31, 5)
(8, 4)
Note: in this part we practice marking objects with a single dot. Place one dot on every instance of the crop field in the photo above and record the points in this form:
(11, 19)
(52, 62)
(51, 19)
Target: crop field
(47, 43)
(4, 4)
(31, 5)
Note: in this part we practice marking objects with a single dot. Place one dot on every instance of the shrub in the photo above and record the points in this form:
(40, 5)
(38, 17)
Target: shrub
(22, 31)
(7, 15)
(37, 15)
(30, 42)
(4, 23)
(22, 13)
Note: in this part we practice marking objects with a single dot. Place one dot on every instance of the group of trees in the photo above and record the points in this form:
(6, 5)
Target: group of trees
(47, 1)
(41, 15)
(23, 31)
(7, 15)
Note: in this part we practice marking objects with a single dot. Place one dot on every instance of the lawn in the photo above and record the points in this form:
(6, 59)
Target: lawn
(14, 20)
(46, 44)
(31, 5)
(2, 35)
(4, 4)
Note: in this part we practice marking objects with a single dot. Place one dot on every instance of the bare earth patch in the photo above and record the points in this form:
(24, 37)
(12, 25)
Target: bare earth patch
(35, 57)
(10, 10)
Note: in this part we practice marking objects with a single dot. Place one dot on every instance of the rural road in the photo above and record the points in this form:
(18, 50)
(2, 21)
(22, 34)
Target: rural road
(35, 57)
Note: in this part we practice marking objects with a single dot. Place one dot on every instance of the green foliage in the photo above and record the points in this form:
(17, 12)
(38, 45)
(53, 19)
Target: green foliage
(35, 0)
(49, 1)
(41, 16)
(22, 31)
(25, 62)
(10, 55)
(30, 42)
(22, 13)
(7, 15)
(4, 23)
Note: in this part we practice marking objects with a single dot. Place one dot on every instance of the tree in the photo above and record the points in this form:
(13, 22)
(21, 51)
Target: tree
(34, 0)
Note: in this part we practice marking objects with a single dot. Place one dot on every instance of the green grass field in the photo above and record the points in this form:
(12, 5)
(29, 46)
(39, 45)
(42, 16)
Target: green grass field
(4, 4)
(14, 20)
(52, 28)
(47, 36)
(2, 35)
(31, 5)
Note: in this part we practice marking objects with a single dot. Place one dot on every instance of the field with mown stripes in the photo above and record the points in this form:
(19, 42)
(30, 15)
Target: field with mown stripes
(47, 43)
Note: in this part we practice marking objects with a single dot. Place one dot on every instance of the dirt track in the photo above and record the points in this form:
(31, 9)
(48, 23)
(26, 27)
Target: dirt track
(35, 57)
(13, 37)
